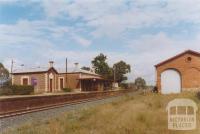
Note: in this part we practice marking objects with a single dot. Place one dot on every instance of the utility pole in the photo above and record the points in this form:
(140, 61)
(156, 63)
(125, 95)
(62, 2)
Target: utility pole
(11, 70)
(114, 73)
(66, 65)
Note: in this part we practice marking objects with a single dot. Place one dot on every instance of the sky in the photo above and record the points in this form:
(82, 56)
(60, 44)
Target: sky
(139, 32)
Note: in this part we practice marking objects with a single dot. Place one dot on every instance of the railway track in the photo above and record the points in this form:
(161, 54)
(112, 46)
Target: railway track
(58, 105)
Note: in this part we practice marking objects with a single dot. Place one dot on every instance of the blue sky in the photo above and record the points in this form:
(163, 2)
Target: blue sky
(140, 32)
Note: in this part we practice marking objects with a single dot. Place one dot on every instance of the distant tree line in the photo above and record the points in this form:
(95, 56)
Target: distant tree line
(140, 83)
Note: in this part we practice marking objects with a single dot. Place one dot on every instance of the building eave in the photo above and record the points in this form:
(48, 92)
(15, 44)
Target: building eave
(177, 56)
(23, 73)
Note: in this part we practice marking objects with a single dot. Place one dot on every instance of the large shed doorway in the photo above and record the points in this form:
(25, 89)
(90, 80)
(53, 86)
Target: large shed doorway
(170, 81)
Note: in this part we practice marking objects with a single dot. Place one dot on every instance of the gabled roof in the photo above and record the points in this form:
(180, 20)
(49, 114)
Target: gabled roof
(33, 70)
(52, 68)
(179, 55)
(30, 70)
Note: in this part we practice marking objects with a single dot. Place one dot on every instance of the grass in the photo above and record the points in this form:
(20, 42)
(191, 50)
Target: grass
(139, 114)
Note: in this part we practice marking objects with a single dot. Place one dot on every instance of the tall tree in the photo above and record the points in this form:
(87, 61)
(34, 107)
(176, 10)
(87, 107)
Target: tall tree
(120, 69)
(140, 83)
(101, 66)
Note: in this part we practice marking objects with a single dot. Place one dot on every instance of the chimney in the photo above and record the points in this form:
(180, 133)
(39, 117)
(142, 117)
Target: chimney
(93, 69)
(76, 69)
(51, 64)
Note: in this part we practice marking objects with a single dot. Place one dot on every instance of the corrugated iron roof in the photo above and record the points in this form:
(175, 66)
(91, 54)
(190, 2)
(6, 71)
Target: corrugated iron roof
(30, 70)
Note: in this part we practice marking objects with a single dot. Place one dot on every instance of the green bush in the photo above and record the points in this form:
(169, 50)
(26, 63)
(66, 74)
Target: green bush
(67, 89)
(5, 91)
(17, 90)
(124, 85)
(22, 89)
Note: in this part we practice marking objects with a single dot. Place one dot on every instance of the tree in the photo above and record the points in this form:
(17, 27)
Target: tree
(86, 68)
(120, 69)
(101, 66)
(140, 83)
(4, 74)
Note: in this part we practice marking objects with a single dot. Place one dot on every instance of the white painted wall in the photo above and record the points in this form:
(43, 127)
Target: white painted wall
(170, 82)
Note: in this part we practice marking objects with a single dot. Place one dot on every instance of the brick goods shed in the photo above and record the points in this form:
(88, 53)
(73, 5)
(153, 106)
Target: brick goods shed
(179, 73)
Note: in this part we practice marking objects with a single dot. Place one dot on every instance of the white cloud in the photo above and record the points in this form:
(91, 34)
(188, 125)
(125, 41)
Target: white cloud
(26, 32)
(54, 8)
(111, 18)
(82, 41)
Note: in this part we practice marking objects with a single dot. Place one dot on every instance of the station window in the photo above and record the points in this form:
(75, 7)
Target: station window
(25, 81)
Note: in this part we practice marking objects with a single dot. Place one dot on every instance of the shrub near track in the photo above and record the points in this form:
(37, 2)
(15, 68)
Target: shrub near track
(17, 90)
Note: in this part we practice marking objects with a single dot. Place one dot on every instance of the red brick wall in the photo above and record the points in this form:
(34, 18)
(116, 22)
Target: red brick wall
(72, 80)
(189, 71)
(40, 80)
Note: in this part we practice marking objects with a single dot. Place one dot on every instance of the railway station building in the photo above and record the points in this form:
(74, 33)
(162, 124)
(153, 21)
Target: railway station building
(51, 80)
